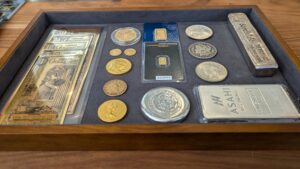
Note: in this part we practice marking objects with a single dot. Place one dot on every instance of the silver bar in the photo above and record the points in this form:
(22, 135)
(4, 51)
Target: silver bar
(259, 58)
(242, 102)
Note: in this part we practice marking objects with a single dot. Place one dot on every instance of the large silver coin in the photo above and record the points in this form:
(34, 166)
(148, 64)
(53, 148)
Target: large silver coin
(203, 50)
(199, 32)
(165, 104)
(126, 36)
(211, 71)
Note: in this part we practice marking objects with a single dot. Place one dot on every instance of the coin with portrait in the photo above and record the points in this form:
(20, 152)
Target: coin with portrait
(199, 32)
(115, 87)
(118, 66)
(112, 110)
(211, 71)
(202, 50)
(129, 52)
(115, 52)
(126, 36)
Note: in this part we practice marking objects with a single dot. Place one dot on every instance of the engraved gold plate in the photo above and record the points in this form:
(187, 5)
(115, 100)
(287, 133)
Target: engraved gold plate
(160, 34)
(83, 73)
(55, 76)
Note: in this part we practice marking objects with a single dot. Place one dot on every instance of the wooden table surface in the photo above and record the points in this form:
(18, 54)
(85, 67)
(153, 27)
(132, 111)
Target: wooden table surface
(285, 17)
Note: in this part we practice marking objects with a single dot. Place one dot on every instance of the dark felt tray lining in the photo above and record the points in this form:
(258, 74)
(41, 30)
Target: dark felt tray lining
(228, 54)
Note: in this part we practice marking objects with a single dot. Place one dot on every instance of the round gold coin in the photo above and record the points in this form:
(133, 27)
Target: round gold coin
(112, 111)
(115, 52)
(118, 66)
(126, 34)
(130, 52)
(115, 87)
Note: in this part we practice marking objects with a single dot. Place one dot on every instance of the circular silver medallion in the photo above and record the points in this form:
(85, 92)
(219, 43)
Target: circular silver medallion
(199, 32)
(165, 104)
(202, 50)
(211, 71)
(126, 36)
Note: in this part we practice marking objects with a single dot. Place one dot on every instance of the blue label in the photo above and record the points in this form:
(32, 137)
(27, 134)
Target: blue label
(170, 27)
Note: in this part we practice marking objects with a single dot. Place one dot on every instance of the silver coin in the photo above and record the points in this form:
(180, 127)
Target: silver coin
(165, 104)
(126, 36)
(203, 50)
(211, 71)
(199, 32)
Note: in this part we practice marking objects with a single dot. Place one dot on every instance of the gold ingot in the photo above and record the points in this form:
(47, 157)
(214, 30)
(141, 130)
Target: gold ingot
(115, 52)
(162, 61)
(160, 34)
(118, 66)
(112, 111)
(130, 52)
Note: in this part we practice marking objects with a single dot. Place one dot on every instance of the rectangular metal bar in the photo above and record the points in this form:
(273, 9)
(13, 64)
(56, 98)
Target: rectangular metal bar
(259, 58)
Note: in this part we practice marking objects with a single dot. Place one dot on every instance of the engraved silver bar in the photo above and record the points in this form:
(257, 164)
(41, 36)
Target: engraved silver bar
(242, 102)
(257, 55)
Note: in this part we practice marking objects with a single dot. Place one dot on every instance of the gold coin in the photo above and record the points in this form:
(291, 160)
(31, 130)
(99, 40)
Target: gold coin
(118, 66)
(112, 111)
(115, 87)
(130, 52)
(126, 34)
(115, 52)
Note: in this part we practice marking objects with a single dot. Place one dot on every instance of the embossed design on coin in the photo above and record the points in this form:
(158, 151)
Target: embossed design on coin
(118, 66)
(115, 87)
(199, 32)
(203, 50)
(130, 52)
(115, 52)
(165, 104)
(112, 111)
(126, 36)
(211, 71)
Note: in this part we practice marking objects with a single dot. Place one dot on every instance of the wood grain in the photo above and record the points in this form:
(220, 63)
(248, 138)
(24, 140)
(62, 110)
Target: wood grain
(284, 15)
(152, 160)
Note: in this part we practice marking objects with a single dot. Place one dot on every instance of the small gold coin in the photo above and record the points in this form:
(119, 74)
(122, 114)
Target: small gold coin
(115, 87)
(115, 52)
(118, 66)
(112, 111)
(130, 52)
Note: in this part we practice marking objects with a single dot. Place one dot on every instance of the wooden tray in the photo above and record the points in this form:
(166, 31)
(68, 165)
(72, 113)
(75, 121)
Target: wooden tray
(180, 136)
